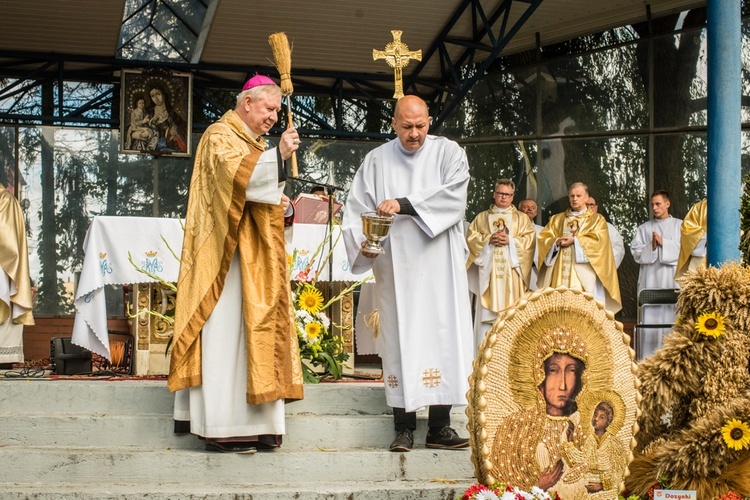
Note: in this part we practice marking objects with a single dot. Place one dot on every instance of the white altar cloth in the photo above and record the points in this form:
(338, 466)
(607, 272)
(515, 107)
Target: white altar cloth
(106, 247)
(306, 240)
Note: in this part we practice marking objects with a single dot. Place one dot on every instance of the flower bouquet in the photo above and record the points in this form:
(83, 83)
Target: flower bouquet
(317, 343)
(499, 491)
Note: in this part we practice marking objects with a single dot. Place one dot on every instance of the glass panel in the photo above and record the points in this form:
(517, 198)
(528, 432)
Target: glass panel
(680, 168)
(492, 161)
(8, 159)
(191, 12)
(502, 103)
(591, 42)
(680, 79)
(174, 31)
(745, 56)
(599, 91)
(72, 175)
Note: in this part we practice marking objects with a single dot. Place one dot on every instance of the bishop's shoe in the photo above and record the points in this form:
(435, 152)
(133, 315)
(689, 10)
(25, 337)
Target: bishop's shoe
(404, 441)
(230, 447)
(446, 439)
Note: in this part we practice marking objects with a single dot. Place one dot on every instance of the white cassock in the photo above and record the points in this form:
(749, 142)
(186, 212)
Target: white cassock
(534, 271)
(618, 245)
(656, 271)
(421, 288)
(218, 407)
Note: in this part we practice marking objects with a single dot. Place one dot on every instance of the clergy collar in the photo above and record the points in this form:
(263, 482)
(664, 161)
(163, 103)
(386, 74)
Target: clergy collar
(501, 210)
(251, 133)
(580, 212)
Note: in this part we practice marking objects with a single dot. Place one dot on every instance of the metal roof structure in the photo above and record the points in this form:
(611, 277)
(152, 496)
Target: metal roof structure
(333, 42)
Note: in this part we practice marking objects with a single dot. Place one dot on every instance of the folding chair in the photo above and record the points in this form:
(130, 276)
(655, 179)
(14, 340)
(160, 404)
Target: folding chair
(651, 297)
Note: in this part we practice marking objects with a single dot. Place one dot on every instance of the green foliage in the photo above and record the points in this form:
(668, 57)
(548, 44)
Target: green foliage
(745, 222)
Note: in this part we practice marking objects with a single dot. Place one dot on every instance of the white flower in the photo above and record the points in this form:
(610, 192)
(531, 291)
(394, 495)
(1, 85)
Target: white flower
(508, 495)
(304, 316)
(540, 494)
(485, 495)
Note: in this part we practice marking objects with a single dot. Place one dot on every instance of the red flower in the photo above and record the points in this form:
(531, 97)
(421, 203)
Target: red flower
(473, 489)
(730, 495)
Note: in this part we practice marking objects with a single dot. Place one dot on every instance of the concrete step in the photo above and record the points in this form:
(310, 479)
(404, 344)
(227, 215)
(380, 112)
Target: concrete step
(304, 432)
(97, 466)
(96, 439)
(129, 397)
(362, 490)
(131, 413)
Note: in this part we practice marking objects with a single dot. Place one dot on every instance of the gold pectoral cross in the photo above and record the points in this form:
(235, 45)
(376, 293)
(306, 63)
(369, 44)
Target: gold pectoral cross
(397, 56)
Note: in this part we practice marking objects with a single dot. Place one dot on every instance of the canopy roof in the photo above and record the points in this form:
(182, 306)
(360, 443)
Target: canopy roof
(224, 41)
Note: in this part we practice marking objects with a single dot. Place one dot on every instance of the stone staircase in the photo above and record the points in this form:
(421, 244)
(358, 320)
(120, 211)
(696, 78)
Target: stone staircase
(95, 439)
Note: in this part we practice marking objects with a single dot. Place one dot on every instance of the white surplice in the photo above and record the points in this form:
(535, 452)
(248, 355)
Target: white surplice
(618, 245)
(421, 289)
(217, 408)
(656, 271)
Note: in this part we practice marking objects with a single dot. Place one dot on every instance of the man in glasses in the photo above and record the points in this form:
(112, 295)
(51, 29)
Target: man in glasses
(501, 249)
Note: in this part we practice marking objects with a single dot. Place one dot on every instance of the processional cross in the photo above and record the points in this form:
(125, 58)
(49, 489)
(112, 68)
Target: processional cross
(397, 56)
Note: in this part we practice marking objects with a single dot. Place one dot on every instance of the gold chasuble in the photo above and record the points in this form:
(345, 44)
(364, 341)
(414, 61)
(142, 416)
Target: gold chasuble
(691, 231)
(14, 259)
(505, 285)
(219, 222)
(590, 229)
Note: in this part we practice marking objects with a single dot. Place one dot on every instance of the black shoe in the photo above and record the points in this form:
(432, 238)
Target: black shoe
(446, 439)
(236, 447)
(404, 441)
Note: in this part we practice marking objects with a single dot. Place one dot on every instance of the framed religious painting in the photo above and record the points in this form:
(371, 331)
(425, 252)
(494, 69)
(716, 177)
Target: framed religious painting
(156, 112)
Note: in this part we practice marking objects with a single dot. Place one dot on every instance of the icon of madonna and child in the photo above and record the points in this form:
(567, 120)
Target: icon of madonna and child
(553, 398)
(153, 117)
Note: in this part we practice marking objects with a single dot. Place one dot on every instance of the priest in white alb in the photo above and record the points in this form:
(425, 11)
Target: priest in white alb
(656, 247)
(421, 290)
(529, 207)
(501, 244)
(235, 358)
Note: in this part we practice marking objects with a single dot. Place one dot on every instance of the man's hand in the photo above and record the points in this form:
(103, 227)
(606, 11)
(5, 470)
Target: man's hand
(369, 255)
(288, 143)
(284, 202)
(388, 208)
(656, 240)
(565, 241)
(499, 239)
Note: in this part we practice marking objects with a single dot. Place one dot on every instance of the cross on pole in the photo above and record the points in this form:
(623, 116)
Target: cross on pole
(397, 56)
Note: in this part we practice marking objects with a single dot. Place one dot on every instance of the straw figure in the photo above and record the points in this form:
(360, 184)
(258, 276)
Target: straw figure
(695, 422)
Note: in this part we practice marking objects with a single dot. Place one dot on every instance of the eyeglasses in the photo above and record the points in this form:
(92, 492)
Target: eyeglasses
(503, 195)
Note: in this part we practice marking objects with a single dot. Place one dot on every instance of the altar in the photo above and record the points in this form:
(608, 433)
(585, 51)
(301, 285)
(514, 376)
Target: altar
(155, 245)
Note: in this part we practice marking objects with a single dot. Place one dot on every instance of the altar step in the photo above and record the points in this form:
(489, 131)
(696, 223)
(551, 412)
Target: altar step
(113, 439)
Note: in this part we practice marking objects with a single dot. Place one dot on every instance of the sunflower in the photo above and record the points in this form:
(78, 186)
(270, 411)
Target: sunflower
(711, 324)
(736, 434)
(313, 330)
(310, 299)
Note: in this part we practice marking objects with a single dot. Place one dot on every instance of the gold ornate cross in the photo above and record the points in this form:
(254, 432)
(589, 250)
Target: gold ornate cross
(397, 56)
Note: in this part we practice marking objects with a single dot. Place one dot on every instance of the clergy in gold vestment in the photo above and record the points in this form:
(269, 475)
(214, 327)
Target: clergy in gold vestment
(693, 240)
(234, 345)
(15, 285)
(501, 244)
(575, 252)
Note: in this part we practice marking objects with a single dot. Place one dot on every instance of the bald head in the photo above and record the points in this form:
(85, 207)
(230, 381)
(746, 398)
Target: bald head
(411, 121)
